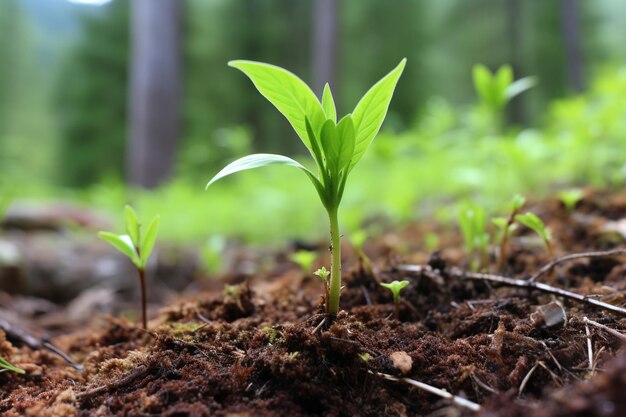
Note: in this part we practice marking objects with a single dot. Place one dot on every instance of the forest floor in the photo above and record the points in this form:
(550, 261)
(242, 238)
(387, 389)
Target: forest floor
(265, 347)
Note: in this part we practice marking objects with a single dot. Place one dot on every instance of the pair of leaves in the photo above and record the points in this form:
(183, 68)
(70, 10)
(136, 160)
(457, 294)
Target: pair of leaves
(532, 221)
(395, 287)
(335, 147)
(497, 89)
(133, 244)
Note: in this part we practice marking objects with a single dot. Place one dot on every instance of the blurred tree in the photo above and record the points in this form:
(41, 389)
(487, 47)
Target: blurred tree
(91, 98)
(325, 34)
(155, 65)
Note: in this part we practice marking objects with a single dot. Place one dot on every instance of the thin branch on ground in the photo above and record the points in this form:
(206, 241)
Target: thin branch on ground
(589, 347)
(463, 402)
(526, 379)
(613, 332)
(459, 273)
(599, 254)
(127, 380)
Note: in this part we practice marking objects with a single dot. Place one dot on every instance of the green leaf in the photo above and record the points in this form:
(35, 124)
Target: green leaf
(148, 241)
(532, 221)
(8, 366)
(395, 287)
(519, 86)
(132, 225)
(517, 202)
(482, 82)
(265, 159)
(123, 243)
(369, 114)
(347, 142)
(330, 145)
(288, 93)
(328, 104)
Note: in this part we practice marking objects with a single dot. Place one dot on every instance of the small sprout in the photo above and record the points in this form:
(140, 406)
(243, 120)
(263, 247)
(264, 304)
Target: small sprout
(358, 239)
(292, 356)
(570, 198)
(336, 146)
(507, 226)
(137, 246)
(6, 366)
(532, 221)
(472, 223)
(323, 273)
(365, 357)
(395, 287)
(304, 259)
(271, 333)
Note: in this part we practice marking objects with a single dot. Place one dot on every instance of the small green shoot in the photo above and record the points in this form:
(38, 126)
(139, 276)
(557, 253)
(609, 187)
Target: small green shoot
(395, 287)
(137, 246)
(365, 357)
(6, 366)
(335, 146)
(532, 221)
(323, 273)
(507, 226)
(358, 239)
(570, 198)
(472, 223)
(304, 259)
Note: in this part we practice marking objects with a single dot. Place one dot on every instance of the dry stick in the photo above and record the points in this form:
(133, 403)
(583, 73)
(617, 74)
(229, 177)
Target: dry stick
(605, 328)
(589, 347)
(463, 402)
(128, 379)
(574, 256)
(512, 282)
(526, 379)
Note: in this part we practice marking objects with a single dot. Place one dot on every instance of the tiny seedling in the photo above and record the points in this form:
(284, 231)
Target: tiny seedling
(472, 223)
(358, 239)
(570, 198)
(395, 287)
(6, 366)
(137, 246)
(335, 146)
(506, 226)
(323, 273)
(304, 259)
(496, 89)
(532, 221)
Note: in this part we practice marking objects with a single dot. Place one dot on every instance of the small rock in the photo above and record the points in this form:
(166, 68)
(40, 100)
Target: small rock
(549, 316)
(401, 361)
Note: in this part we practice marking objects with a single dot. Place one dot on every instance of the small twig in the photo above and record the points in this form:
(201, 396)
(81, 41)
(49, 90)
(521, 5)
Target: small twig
(128, 379)
(366, 295)
(589, 347)
(319, 326)
(455, 272)
(354, 342)
(605, 328)
(463, 402)
(599, 254)
(526, 379)
(63, 355)
(483, 385)
(554, 376)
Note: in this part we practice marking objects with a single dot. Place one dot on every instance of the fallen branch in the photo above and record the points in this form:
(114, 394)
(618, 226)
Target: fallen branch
(455, 272)
(463, 402)
(607, 329)
(127, 380)
(600, 254)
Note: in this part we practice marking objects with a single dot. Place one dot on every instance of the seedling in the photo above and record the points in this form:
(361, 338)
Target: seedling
(6, 366)
(395, 287)
(335, 147)
(137, 246)
(497, 89)
(304, 259)
(472, 223)
(506, 226)
(323, 273)
(570, 198)
(533, 222)
(358, 239)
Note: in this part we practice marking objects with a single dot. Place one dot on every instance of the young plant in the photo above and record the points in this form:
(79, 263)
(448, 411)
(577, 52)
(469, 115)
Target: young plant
(137, 246)
(506, 226)
(472, 223)
(335, 146)
(570, 198)
(358, 239)
(323, 274)
(7, 366)
(533, 222)
(395, 287)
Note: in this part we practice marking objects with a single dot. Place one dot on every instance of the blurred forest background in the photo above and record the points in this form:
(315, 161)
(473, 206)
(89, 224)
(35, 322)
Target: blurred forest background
(66, 122)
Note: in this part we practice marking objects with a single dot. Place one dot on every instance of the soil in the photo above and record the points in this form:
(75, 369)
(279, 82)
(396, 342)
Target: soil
(265, 347)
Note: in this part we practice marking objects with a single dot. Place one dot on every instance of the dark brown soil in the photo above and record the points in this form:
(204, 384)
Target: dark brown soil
(266, 348)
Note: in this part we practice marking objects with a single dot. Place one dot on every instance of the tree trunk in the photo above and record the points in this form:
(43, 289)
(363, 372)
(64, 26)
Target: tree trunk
(325, 16)
(155, 87)
(571, 35)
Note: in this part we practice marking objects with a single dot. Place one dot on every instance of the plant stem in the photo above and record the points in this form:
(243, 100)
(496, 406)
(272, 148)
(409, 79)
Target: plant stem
(332, 305)
(142, 281)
